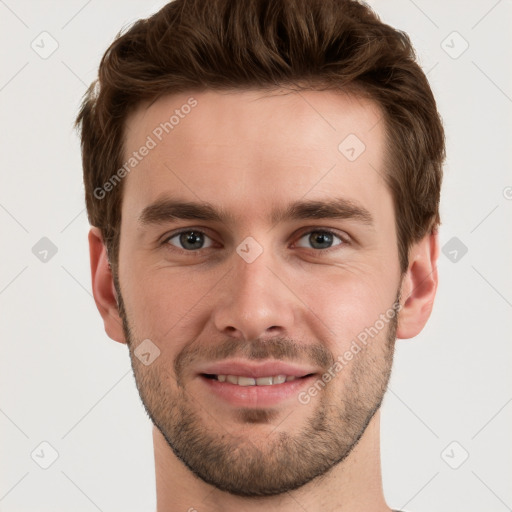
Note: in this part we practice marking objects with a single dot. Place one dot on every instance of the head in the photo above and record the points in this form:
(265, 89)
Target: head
(301, 142)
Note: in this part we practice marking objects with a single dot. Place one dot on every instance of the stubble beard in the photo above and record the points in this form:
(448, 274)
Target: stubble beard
(282, 461)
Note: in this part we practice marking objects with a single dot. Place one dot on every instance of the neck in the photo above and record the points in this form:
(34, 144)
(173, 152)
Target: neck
(353, 485)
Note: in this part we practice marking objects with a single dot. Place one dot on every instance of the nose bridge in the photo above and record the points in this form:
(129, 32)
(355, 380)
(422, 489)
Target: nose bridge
(253, 299)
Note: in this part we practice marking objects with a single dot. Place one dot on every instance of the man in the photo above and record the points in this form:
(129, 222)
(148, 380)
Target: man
(262, 180)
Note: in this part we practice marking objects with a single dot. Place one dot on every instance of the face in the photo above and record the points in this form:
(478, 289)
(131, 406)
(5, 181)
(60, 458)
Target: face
(258, 246)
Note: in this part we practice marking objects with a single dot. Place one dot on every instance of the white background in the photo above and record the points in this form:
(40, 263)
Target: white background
(63, 381)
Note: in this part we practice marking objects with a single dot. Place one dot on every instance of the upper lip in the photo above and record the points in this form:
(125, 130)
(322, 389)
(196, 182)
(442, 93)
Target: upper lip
(255, 370)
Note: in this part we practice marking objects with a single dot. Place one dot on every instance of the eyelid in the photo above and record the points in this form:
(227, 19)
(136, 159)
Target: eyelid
(342, 235)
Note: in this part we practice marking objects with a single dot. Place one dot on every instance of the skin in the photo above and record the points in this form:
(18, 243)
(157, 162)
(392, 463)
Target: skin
(247, 152)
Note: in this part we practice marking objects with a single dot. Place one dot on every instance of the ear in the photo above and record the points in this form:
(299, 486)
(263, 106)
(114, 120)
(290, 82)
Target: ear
(419, 287)
(103, 288)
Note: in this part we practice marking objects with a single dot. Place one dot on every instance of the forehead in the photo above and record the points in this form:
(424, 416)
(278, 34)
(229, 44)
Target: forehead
(253, 149)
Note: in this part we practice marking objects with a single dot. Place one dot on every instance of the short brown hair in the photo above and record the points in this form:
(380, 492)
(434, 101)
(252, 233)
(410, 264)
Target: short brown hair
(236, 44)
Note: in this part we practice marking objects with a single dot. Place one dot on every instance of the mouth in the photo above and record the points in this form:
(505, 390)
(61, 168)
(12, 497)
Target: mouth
(241, 380)
(248, 384)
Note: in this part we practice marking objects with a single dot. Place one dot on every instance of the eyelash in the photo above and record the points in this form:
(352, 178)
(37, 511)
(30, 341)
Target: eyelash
(344, 239)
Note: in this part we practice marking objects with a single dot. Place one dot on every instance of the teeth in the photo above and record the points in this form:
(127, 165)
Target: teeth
(264, 381)
(260, 381)
(246, 381)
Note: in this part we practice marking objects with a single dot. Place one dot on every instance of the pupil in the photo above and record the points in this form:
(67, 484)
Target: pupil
(192, 238)
(321, 238)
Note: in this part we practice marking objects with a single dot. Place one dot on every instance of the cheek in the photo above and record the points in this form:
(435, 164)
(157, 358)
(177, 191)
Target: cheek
(169, 304)
(348, 301)
(332, 302)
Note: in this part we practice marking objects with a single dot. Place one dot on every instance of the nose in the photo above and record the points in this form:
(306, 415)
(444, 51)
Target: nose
(254, 301)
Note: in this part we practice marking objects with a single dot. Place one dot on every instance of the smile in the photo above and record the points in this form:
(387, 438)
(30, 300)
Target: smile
(241, 380)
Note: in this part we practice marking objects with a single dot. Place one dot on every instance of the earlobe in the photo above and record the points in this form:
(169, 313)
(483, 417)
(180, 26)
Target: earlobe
(103, 286)
(419, 287)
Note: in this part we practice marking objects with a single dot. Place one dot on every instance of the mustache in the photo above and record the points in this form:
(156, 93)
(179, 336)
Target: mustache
(281, 348)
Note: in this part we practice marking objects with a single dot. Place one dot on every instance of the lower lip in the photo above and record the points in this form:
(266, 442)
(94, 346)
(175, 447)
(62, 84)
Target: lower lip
(257, 396)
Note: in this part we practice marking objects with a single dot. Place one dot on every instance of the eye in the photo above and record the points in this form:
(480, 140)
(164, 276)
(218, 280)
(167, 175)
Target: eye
(193, 240)
(189, 240)
(322, 239)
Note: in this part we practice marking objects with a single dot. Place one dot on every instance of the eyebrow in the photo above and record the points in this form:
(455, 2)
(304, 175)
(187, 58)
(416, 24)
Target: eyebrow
(168, 209)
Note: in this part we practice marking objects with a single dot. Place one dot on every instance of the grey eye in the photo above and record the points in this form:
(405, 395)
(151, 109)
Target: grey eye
(190, 240)
(320, 239)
